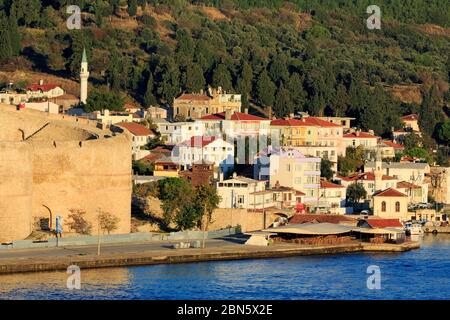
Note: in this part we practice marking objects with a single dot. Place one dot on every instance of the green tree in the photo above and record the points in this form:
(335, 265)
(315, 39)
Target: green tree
(443, 132)
(326, 170)
(283, 105)
(99, 100)
(244, 82)
(167, 77)
(14, 35)
(149, 98)
(174, 193)
(207, 199)
(296, 91)
(5, 41)
(265, 90)
(132, 7)
(431, 111)
(356, 192)
(222, 78)
(195, 81)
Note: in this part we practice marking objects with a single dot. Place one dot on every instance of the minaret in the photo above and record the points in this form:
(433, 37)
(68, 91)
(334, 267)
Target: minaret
(84, 75)
(378, 172)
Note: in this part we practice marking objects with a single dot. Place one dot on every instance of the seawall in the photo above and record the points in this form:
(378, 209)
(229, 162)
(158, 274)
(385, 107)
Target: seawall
(170, 256)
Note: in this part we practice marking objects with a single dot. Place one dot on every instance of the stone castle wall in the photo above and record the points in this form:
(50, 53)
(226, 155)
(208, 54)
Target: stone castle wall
(64, 163)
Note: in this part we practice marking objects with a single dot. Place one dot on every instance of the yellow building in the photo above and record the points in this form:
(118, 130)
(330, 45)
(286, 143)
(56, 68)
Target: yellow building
(166, 168)
(411, 122)
(390, 203)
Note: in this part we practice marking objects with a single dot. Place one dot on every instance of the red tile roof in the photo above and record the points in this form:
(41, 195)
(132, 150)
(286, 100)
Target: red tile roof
(42, 87)
(328, 185)
(199, 141)
(152, 157)
(307, 121)
(360, 135)
(393, 145)
(193, 97)
(136, 129)
(320, 218)
(390, 193)
(411, 117)
(408, 185)
(384, 223)
(235, 117)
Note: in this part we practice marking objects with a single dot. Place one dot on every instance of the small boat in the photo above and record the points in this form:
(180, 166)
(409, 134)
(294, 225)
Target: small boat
(413, 229)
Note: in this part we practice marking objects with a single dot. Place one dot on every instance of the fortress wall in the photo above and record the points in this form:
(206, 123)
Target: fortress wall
(15, 190)
(95, 175)
(58, 169)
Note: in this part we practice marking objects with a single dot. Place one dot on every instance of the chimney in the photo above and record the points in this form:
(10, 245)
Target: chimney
(246, 110)
(358, 132)
(234, 174)
(291, 115)
(41, 82)
(228, 114)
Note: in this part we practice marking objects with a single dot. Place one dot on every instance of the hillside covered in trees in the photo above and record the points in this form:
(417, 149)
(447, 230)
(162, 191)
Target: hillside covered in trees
(316, 56)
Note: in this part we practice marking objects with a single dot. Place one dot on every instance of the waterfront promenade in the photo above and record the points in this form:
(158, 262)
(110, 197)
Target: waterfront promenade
(160, 252)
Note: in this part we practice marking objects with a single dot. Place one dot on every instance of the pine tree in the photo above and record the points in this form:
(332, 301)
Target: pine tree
(265, 90)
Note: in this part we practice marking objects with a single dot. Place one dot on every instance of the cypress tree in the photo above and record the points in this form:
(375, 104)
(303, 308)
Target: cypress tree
(5, 41)
(222, 78)
(132, 7)
(265, 90)
(149, 98)
(14, 35)
(195, 81)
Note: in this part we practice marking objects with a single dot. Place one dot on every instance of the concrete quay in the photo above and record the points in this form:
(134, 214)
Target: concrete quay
(85, 258)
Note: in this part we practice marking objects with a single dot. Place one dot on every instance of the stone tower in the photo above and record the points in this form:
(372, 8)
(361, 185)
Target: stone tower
(84, 76)
(378, 172)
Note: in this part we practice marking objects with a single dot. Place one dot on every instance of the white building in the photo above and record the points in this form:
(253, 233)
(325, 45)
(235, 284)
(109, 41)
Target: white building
(332, 197)
(46, 106)
(363, 139)
(412, 172)
(241, 192)
(236, 124)
(108, 118)
(288, 167)
(141, 136)
(368, 181)
(213, 149)
(41, 90)
(12, 97)
(177, 132)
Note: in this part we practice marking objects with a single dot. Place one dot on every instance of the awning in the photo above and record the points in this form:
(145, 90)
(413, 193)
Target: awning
(312, 229)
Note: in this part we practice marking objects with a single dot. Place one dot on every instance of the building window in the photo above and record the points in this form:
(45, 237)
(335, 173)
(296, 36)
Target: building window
(383, 206)
(397, 206)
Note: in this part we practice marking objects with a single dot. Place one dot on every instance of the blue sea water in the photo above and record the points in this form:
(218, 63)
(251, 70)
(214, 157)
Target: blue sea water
(417, 274)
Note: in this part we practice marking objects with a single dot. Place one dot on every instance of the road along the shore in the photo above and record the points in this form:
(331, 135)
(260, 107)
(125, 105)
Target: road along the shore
(168, 256)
